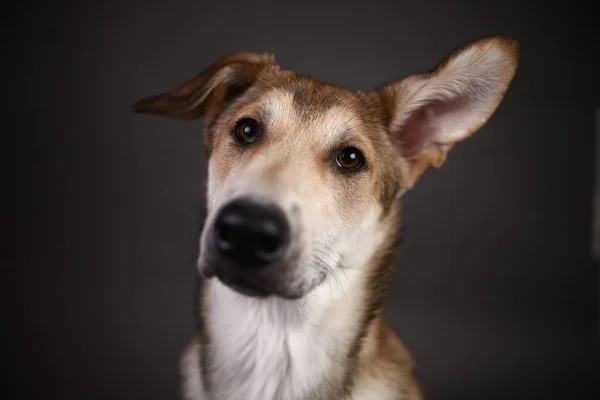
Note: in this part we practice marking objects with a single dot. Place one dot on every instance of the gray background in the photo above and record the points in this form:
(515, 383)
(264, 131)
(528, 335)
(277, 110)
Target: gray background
(496, 292)
(596, 208)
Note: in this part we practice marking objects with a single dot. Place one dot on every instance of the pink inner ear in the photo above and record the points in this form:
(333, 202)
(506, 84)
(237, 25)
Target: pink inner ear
(414, 132)
(431, 123)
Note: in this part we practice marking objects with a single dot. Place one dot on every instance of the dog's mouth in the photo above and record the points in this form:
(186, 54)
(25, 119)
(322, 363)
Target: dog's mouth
(245, 287)
(289, 278)
(259, 284)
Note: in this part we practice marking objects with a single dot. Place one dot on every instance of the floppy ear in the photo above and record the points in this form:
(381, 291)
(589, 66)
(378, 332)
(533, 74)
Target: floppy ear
(429, 113)
(222, 81)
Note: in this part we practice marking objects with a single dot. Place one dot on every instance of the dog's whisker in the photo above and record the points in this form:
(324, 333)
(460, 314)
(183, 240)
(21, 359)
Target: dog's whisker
(335, 275)
(345, 274)
(330, 292)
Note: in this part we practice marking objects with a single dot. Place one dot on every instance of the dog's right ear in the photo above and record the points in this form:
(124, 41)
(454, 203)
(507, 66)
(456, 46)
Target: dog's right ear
(227, 78)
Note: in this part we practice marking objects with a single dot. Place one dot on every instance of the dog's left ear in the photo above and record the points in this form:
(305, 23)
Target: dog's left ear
(221, 82)
(429, 113)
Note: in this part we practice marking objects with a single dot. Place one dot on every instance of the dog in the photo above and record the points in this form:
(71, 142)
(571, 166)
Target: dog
(304, 190)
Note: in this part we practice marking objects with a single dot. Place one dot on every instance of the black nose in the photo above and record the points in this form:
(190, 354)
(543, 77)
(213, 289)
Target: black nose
(251, 234)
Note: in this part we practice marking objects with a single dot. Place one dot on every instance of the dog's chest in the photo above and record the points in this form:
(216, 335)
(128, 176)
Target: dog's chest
(252, 356)
(261, 364)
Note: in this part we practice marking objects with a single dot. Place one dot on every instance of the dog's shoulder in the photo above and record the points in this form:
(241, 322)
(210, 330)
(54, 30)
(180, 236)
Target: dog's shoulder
(387, 366)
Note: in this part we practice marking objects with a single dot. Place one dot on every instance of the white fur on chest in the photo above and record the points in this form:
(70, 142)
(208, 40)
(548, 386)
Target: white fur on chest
(274, 349)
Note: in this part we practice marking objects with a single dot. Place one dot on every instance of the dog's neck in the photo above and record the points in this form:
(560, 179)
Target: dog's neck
(274, 349)
(292, 349)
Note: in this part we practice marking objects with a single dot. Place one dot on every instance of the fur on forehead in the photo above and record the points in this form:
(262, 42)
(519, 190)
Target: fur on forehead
(279, 94)
(324, 114)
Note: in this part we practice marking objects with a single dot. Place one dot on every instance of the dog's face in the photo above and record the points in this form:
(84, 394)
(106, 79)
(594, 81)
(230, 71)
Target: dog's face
(304, 176)
(299, 174)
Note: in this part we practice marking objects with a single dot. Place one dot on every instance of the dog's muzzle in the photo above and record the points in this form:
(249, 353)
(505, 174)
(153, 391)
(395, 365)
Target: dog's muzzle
(250, 242)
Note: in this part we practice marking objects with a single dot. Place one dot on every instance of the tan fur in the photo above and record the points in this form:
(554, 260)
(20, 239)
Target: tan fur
(402, 129)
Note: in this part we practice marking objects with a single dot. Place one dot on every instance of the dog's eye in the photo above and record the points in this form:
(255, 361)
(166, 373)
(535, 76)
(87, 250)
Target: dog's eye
(350, 158)
(247, 130)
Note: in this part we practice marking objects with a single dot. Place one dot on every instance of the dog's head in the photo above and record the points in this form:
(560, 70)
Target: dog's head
(304, 176)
